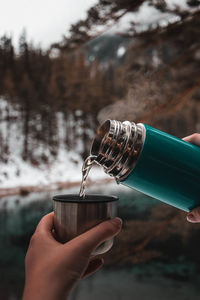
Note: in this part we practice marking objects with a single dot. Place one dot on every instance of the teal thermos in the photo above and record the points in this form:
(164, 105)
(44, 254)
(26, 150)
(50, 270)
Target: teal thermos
(151, 161)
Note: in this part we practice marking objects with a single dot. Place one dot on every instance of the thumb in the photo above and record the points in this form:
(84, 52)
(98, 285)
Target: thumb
(193, 139)
(89, 240)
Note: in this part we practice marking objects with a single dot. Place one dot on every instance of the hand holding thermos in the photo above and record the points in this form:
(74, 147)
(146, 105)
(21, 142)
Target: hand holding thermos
(194, 215)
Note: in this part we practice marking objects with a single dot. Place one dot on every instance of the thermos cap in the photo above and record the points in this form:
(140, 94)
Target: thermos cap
(117, 146)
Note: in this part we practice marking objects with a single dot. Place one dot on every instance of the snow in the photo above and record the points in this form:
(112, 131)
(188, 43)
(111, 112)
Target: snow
(146, 16)
(177, 3)
(155, 59)
(16, 172)
(66, 168)
(121, 51)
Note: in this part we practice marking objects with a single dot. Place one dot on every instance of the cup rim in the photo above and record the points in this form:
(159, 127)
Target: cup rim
(91, 198)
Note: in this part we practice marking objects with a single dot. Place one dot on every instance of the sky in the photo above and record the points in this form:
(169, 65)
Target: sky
(45, 21)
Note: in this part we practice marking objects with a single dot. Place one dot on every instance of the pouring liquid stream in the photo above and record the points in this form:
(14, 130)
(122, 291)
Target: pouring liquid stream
(87, 165)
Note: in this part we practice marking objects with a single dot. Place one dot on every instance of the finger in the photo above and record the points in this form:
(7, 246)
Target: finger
(194, 216)
(193, 139)
(46, 224)
(94, 265)
(89, 240)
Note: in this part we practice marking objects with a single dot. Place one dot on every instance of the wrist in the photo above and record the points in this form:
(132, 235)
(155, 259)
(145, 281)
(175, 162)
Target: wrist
(39, 292)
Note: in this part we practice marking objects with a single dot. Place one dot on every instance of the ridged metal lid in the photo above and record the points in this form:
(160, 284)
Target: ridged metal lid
(117, 145)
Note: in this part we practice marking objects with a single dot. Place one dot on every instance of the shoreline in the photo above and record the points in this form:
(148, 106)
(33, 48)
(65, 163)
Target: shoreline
(25, 190)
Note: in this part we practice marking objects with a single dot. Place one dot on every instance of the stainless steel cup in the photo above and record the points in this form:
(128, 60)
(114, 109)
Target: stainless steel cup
(73, 216)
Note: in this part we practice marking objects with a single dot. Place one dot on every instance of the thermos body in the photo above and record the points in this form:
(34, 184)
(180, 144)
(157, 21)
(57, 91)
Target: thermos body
(150, 161)
(167, 169)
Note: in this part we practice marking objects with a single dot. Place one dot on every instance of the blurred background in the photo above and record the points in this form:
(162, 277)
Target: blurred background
(65, 67)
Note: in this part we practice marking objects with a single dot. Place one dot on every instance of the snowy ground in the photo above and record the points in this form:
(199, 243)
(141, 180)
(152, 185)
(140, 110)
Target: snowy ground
(62, 170)
(18, 173)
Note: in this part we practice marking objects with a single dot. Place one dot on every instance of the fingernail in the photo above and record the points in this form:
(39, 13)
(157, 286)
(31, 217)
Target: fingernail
(116, 221)
(191, 218)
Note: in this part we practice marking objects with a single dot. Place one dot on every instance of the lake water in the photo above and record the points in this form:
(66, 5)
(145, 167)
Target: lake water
(166, 266)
